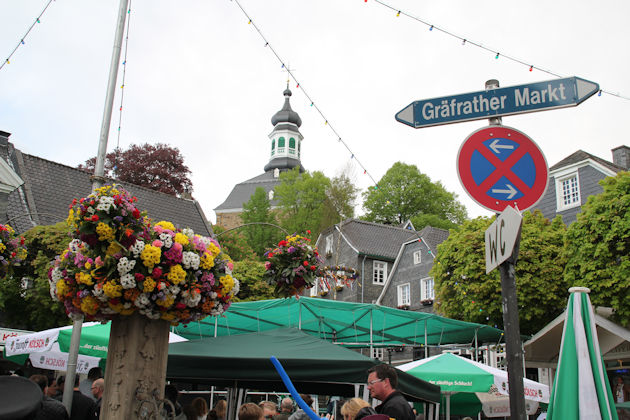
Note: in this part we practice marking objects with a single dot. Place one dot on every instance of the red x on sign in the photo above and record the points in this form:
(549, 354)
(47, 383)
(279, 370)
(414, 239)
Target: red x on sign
(500, 166)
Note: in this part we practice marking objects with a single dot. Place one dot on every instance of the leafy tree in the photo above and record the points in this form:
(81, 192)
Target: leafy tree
(33, 308)
(234, 244)
(404, 192)
(341, 196)
(302, 197)
(598, 247)
(464, 290)
(258, 210)
(253, 287)
(158, 167)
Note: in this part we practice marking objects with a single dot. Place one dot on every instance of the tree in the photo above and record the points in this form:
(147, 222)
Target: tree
(33, 308)
(464, 290)
(158, 167)
(234, 244)
(253, 287)
(301, 198)
(404, 193)
(258, 210)
(598, 247)
(341, 196)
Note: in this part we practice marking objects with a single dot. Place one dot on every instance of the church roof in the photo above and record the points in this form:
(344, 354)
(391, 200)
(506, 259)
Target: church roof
(49, 187)
(241, 193)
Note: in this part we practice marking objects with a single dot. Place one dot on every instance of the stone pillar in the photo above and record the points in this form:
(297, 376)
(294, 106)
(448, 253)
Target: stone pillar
(136, 368)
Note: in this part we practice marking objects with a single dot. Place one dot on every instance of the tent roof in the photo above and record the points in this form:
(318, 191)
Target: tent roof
(543, 348)
(314, 365)
(344, 323)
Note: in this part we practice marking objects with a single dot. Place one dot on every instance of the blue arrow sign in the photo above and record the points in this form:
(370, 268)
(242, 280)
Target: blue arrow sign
(540, 96)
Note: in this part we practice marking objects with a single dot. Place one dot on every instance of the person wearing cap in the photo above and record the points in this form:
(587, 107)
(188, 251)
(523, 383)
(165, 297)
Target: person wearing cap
(51, 408)
(382, 383)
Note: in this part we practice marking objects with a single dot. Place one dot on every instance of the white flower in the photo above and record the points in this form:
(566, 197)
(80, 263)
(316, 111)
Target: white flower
(127, 281)
(75, 245)
(125, 265)
(190, 260)
(188, 232)
(142, 300)
(166, 239)
(174, 290)
(137, 248)
(108, 311)
(236, 288)
(191, 299)
(56, 274)
(105, 204)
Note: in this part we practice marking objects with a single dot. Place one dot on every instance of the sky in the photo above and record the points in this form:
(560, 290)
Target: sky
(201, 78)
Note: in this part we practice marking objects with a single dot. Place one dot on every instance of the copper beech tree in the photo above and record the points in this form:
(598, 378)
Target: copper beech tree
(159, 167)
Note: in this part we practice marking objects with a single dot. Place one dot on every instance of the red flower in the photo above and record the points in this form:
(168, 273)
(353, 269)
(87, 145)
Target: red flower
(313, 268)
(95, 218)
(136, 213)
(270, 255)
(308, 232)
(282, 243)
(305, 263)
(156, 273)
(180, 305)
(139, 277)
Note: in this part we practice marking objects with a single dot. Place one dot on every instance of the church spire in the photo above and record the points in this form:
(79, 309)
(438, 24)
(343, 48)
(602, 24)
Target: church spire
(286, 139)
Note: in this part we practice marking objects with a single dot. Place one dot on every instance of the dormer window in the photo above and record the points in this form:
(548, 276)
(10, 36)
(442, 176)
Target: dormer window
(292, 146)
(417, 257)
(281, 145)
(568, 191)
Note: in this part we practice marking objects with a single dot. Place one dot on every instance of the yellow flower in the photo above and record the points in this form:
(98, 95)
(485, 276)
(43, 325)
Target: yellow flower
(227, 282)
(181, 238)
(177, 274)
(150, 256)
(166, 225)
(166, 302)
(214, 250)
(89, 305)
(113, 248)
(149, 285)
(168, 316)
(112, 289)
(88, 265)
(127, 311)
(207, 261)
(84, 278)
(70, 221)
(105, 233)
(2, 247)
(62, 288)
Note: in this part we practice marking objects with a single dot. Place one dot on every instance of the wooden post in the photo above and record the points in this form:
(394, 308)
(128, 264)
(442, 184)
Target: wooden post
(136, 368)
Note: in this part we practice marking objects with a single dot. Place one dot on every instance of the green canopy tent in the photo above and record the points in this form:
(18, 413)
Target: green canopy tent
(315, 366)
(346, 323)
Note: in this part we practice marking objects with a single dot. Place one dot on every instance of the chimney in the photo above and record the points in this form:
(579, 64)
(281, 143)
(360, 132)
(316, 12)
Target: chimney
(4, 144)
(621, 157)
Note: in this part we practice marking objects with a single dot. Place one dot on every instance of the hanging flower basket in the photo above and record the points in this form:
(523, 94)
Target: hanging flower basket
(117, 264)
(12, 250)
(292, 266)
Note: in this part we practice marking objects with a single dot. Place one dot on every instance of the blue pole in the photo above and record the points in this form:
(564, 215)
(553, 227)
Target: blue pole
(292, 390)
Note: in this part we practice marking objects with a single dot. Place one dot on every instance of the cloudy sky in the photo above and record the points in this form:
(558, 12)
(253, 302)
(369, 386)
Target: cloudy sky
(199, 77)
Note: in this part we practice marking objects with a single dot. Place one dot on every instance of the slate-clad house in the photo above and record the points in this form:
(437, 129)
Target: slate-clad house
(285, 152)
(575, 178)
(41, 191)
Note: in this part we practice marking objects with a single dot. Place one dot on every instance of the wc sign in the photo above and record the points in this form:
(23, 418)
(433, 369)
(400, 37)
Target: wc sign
(501, 237)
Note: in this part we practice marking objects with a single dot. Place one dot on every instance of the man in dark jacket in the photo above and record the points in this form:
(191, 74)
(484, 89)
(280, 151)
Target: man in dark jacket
(82, 407)
(51, 408)
(382, 383)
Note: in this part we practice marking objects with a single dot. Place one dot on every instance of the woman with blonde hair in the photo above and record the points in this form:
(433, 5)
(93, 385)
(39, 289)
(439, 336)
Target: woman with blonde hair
(356, 409)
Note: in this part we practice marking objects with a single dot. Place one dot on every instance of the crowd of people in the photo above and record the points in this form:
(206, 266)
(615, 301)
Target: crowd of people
(87, 394)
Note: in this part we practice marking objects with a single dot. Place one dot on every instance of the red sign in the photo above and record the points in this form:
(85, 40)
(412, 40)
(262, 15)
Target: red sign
(500, 166)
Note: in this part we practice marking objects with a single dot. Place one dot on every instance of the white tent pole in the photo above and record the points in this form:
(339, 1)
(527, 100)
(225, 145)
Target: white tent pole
(476, 347)
(371, 343)
(426, 346)
(448, 405)
(216, 325)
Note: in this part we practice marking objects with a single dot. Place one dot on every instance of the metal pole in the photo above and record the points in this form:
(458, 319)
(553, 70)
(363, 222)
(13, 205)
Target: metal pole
(97, 182)
(513, 351)
(426, 347)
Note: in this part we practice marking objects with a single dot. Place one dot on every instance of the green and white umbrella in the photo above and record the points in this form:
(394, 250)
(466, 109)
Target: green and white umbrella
(581, 389)
(473, 386)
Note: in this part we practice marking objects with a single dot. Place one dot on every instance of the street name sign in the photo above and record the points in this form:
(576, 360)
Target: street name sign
(501, 237)
(499, 166)
(497, 102)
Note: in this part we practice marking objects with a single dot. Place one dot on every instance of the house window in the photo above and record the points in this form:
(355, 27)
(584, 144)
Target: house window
(271, 195)
(281, 145)
(292, 146)
(329, 244)
(377, 353)
(568, 192)
(417, 257)
(379, 269)
(404, 295)
(426, 289)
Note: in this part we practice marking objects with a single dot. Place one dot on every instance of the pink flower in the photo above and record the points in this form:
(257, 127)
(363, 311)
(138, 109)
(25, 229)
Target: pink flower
(230, 265)
(267, 265)
(157, 243)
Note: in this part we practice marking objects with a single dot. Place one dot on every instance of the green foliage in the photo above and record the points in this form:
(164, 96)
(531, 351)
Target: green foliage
(302, 197)
(341, 196)
(464, 290)
(423, 220)
(34, 308)
(404, 192)
(234, 244)
(598, 247)
(258, 210)
(253, 287)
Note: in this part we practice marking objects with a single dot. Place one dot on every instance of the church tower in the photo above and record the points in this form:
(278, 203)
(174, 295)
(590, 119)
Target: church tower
(285, 152)
(286, 139)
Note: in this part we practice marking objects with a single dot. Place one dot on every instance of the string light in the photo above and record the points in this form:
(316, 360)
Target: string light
(21, 42)
(464, 42)
(496, 56)
(122, 86)
(398, 14)
(531, 68)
